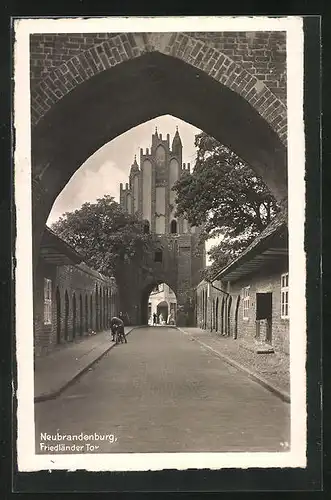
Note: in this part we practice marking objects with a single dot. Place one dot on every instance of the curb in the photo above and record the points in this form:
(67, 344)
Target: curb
(56, 393)
(284, 396)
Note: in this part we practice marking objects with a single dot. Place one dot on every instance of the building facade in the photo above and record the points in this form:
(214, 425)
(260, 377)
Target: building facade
(149, 194)
(162, 302)
(249, 299)
(70, 299)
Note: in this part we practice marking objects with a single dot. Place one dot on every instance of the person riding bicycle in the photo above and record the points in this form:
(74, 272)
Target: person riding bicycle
(117, 327)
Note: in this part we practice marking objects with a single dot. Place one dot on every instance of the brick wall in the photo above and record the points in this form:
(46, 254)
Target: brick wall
(263, 54)
(49, 51)
(266, 280)
(251, 64)
(82, 300)
(43, 334)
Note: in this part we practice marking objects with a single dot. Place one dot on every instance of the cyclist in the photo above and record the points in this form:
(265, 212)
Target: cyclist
(117, 327)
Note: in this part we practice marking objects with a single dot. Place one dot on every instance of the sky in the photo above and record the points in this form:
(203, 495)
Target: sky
(102, 172)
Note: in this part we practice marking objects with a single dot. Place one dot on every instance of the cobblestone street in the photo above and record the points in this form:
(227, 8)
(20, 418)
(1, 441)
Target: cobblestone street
(275, 367)
(164, 392)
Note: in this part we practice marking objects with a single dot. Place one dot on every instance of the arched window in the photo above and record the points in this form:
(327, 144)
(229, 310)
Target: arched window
(146, 227)
(173, 226)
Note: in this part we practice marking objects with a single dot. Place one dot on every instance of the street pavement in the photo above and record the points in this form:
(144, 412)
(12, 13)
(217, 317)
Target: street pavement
(163, 392)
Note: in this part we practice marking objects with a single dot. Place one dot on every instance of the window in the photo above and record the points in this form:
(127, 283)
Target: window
(284, 296)
(245, 302)
(47, 301)
(146, 227)
(173, 227)
(158, 256)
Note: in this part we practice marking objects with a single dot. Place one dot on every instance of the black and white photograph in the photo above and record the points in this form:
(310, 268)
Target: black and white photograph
(160, 207)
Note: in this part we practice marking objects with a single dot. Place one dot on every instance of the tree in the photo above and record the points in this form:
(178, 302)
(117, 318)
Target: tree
(225, 197)
(106, 236)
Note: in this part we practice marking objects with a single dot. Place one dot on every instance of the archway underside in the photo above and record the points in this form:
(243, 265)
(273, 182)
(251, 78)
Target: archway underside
(145, 294)
(136, 91)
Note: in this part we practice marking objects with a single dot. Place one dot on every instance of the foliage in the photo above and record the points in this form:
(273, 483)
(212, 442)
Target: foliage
(225, 197)
(106, 236)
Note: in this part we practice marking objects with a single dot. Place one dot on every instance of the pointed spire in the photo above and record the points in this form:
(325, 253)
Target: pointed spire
(134, 166)
(177, 143)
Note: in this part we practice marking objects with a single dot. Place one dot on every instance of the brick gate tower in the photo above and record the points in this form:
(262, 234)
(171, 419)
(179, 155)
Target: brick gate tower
(149, 194)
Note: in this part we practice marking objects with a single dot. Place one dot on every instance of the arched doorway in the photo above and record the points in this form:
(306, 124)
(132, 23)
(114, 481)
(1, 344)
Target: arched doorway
(206, 310)
(66, 315)
(216, 315)
(74, 316)
(223, 317)
(81, 324)
(100, 309)
(91, 311)
(86, 314)
(58, 316)
(235, 332)
(202, 309)
(97, 307)
(213, 321)
(162, 311)
(229, 315)
(104, 309)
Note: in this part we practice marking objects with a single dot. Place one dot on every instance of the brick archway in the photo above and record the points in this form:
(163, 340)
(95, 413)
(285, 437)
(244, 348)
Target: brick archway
(95, 53)
(125, 80)
(145, 293)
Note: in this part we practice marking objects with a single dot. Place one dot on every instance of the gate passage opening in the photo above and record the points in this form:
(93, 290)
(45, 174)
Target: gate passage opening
(161, 306)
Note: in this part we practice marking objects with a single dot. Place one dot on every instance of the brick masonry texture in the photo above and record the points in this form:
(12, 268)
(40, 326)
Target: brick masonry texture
(179, 269)
(251, 64)
(82, 300)
(267, 280)
(262, 54)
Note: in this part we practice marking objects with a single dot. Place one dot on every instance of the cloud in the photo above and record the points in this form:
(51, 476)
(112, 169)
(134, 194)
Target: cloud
(87, 185)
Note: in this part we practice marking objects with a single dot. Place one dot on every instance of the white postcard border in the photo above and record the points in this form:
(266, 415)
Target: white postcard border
(27, 459)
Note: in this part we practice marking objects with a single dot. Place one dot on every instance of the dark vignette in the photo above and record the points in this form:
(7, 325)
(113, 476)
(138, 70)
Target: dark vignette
(204, 480)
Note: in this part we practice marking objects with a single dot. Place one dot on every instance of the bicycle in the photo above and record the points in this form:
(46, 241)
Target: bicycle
(120, 337)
